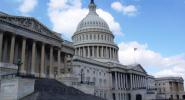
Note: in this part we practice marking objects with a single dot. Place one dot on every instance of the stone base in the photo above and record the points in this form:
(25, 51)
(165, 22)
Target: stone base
(16, 88)
(43, 75)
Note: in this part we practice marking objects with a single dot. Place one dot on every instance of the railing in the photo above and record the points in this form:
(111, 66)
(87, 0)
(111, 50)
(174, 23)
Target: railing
(85, 83)
(8, 70)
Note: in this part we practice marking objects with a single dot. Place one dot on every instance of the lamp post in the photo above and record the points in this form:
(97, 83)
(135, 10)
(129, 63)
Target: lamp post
(55, 73)
(19, 63)
(82, 76)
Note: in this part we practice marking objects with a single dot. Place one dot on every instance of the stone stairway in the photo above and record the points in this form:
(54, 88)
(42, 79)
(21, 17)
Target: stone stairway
(50, 89)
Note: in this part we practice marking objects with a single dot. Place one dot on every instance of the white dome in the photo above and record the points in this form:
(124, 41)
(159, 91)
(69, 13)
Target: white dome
(93, 38)
(92, 21)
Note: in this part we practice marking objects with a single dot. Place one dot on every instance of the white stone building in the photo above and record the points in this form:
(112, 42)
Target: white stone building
(96, 68)
(170, 88)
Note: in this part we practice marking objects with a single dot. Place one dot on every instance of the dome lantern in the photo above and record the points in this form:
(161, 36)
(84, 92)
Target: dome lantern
(92, 7)
(92, 21)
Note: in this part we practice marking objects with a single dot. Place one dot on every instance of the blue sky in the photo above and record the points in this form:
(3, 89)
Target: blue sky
(155, 27)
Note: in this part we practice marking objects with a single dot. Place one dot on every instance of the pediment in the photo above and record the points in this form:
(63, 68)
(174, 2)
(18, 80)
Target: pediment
(138, 68)
(29, 23)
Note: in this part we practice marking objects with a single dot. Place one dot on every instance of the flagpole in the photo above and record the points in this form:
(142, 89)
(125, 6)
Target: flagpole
(135, 49)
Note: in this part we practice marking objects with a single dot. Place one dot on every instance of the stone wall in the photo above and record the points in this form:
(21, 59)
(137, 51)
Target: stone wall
(16, 88)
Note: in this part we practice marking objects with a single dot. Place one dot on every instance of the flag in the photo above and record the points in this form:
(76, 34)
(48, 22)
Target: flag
(135, 49)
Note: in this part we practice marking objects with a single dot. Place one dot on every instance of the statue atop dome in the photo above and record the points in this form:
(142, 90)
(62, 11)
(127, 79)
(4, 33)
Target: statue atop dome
(92, 7)
(92, 1)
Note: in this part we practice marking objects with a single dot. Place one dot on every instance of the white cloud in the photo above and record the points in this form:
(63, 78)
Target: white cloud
(168, 66)
(129, 10)
(66, 14)
(27, 6)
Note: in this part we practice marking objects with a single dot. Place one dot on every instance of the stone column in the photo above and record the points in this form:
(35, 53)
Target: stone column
(110, 53)
(142, 84)
(23, 56)
(106, 52)
(59, 60)
(139, 79)
(88, 51)
(131, 81)
(110, 80)
(42, 74)
(84, 52)
(1, 45)
(122, 81)
(79, 51)
(113, 53)
(116, 81)
(33, 58)
(134, 81)
(75, 51)
(51, 73)
(93, 51)
(12, 49)
(97, 52)
(126, 81)
(102, 52)
(123, 77)
(116, 54)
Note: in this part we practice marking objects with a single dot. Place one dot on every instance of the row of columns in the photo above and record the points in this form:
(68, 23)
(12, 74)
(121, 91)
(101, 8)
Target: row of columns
(33, 58)
(97, 51)
(121, 81)
(176, 86)
(138, 81)
(96, 37)
(122, 96)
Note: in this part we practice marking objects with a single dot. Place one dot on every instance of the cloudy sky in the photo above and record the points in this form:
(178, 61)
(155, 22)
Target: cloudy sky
(155, 27)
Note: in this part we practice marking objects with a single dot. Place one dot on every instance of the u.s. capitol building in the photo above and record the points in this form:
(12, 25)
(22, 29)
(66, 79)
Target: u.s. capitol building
(96, 58)
(91, 64)
(96, 61)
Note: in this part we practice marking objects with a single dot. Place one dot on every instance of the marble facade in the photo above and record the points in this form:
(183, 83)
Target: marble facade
(42, 52)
